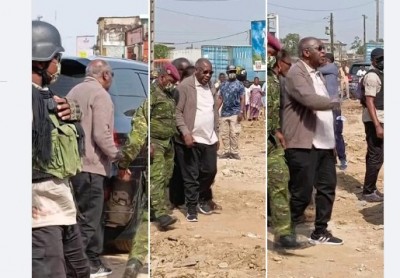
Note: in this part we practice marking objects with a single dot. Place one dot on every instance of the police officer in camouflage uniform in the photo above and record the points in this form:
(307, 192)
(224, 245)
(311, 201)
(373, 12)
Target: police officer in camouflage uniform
(162, 130)
(278, 173)
(136, 141)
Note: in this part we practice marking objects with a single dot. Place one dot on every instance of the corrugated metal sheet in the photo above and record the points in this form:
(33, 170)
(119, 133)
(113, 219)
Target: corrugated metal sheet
(219, 57)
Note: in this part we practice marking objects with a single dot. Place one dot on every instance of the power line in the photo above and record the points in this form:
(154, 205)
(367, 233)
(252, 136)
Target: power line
(318, 10)
(201, 16)
(232, 35)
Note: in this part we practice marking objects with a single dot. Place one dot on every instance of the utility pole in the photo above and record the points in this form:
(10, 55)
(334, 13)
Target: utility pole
(364, 38)
(331, 33)
(377, 20)
(39, 17)
(152, 8)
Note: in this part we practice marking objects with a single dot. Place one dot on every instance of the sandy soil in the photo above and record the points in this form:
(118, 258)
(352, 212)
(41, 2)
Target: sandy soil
(358, 223)
(230, 242)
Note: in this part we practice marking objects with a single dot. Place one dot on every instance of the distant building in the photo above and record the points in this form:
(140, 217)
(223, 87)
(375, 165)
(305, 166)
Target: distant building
(123, 37)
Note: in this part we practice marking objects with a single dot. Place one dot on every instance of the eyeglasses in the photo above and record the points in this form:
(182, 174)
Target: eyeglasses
(205, 72)
(319, 47)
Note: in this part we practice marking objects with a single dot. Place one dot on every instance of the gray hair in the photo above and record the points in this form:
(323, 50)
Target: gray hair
(202, 61)
(304, 43)
(97, 67)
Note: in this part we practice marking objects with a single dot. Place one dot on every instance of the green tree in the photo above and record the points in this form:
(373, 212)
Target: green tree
(290, 43)
(357, 45)
(161, 51)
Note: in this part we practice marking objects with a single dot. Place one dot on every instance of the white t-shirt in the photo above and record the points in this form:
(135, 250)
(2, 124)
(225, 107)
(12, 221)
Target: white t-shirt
(203, 130)
(324, 136)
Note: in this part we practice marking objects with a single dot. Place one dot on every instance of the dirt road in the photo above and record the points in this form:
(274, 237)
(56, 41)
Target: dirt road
(230, 242)
(358, 223)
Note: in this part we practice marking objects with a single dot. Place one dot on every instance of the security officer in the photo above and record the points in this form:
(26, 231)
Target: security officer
(278, 173)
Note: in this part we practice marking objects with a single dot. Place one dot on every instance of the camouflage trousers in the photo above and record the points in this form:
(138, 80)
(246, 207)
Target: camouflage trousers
(161, 170)
(278, 192)
(139, 249)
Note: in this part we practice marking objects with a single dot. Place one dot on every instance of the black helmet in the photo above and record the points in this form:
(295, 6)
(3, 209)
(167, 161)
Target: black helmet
(230, 68)
(241, 73)
(46, 41)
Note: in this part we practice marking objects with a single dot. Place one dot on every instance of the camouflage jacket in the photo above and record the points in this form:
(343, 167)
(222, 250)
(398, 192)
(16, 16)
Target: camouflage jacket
(137, 137)
(162, 114)
(273, 102)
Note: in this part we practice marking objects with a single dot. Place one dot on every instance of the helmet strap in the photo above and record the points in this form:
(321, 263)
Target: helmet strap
(46, 78)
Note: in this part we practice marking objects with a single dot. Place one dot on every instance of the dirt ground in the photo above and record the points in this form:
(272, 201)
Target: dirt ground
(230, 242)
(358, 223)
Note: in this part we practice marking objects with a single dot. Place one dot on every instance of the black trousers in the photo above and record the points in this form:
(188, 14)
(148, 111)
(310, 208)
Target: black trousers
(310, 168)
(89, 195)
(57, 253)
(198, 167)
(373, 159)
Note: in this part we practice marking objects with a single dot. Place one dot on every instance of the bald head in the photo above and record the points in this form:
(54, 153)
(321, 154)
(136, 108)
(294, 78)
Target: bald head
(305, 43)
(203, 71)
(96, 67)
(101, 71)
(181, 65)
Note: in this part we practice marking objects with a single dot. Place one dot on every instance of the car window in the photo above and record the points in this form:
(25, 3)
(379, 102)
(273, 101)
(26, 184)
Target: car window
(127, 91)
(355, 68)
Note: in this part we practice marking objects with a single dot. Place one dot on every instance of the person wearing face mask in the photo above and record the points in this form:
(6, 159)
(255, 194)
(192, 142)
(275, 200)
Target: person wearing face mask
(373, 118)
(278, 173)
(56, 240)
(162, 131)
(232, 100)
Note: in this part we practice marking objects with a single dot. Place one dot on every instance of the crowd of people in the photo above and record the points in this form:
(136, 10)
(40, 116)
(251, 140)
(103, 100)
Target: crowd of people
(182, 124)
(305, 141)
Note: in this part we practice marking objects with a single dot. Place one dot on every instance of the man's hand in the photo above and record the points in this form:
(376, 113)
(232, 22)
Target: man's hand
(124, 174)
(281, 138)
(189, 141)
(63, 109)
(379, 131)
(218, 145)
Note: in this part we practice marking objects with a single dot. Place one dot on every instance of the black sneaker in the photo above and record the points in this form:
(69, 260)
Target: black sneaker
(204, 208)
(225, 156)
(235, 156)
(132, 268)
(374, 197)
(166, 220)
(324, 238)
(290, 242)
(99, 271)
(191, 217)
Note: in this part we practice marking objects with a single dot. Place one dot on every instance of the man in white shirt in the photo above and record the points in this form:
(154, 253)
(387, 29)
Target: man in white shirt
(361, 72)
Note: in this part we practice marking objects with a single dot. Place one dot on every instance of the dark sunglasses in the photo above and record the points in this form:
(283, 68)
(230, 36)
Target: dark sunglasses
(319, 47)
(205, 72)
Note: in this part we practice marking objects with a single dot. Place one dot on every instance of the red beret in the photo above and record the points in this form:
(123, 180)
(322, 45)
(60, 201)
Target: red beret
(273, 42)
(172, 71)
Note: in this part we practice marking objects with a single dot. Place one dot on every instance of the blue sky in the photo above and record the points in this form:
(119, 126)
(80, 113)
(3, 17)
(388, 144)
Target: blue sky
(309, 18)
(78, 18)
(181, 21)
